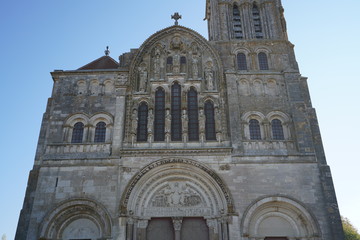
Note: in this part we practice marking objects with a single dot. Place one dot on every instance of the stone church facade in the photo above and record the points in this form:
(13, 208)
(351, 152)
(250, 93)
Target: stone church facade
(185, 138)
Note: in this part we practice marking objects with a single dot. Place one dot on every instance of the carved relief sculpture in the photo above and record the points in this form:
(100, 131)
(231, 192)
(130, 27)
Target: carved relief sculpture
(209, 76)
(157, 64)
(143, 75)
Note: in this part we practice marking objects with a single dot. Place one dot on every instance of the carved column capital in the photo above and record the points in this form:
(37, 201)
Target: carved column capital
(177, 221)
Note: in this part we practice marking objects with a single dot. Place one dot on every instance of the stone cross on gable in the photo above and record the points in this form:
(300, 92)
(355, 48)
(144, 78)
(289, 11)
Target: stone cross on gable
(176, 16)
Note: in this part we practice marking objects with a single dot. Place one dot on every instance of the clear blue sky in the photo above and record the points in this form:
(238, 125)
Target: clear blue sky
(39, 36)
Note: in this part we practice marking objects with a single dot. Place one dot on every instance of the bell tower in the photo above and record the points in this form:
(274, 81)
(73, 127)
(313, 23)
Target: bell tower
(245, 20)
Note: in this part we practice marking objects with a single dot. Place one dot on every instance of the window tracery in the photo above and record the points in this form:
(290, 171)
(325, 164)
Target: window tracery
(78, 132)
(263, 61)
(100, 132)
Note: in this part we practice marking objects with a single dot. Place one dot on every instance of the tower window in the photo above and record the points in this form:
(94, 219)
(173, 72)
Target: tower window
(254, 129)
(257, 22)
(159, 123)
(263, 61)
(241, 61)
(193, 115)
(100, 132)
(277, 130)
(78, 132)
(142, 122)
(176, 129)
(238, 33)
(209, 121)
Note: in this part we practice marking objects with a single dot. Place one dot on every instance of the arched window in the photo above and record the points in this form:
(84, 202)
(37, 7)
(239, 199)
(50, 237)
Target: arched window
(209, 121)
(159, 123)
(277, 130)
(183, 64)
(78, 132)
(257, 22)
(238, 33)
(169, 64)
(142, 122)
(100, 132)
(263, 61)
(176, 129)
(193, 113)
(241, 61)
(254, 129)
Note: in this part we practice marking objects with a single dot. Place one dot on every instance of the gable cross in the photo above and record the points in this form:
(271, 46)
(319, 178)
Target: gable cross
(176, 16)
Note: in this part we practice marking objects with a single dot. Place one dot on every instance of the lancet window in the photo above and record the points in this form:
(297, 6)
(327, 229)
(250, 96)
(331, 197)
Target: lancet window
(277, 130)
(193, 125)
(254, 129)
(257, 22)
(176, 129)
(263, 61)
(241, 61)
(100, 132)
(238, 33)
(159, 123)
(142, 122)
(209, 121)
(78, 132)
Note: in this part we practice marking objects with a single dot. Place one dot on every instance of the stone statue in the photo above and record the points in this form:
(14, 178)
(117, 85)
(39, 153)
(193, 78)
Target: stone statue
(195, 67)
(143, 75)
(185, 121)
(150, 121)
(209, 76)
(157, 64)
(134, 121)
(167, 121)
(201, 120)
(176, 63)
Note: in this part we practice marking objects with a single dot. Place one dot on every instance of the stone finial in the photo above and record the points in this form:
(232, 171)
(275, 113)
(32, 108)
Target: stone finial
(176, 16)
(107, 51)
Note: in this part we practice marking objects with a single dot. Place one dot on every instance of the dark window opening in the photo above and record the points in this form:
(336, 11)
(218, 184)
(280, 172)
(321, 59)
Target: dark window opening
(100, 132)
(241, 61)
(78, 132)
(238, 33)
(263, 61)
(277, 130)
(159, 122)
(254, 128)
(209, 121)
(176, 129)
(257, 22)
(142, 122)
(193, 124)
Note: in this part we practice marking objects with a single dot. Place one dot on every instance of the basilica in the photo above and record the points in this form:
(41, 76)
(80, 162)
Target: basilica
(185, 138)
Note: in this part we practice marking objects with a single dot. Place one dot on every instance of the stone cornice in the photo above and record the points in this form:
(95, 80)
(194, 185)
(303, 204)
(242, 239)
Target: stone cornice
(172, 152)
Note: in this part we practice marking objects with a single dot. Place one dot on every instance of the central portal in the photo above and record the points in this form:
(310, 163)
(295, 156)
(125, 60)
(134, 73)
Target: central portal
(177, 229)
(176, 199)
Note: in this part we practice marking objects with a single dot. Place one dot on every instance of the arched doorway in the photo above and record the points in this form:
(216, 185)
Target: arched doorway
(176, 198)
(279, 218)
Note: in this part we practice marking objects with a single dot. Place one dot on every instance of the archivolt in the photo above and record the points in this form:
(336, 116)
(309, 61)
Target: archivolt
(201, 178)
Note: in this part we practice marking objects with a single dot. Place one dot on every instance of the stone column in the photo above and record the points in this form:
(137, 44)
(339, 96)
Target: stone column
(119, 120)
(129, 228)
(142, 225)
(213, 230)
(177, 221)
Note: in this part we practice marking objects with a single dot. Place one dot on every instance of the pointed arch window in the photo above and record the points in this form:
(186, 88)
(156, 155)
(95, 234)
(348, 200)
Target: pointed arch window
(176, 129)
(263, 61)
(238, 32)
(257, 22)
(277, 130)
(142, 122)
(78, 132)
(254, 129)
(100, 132)
(209, 121)
(241, 61)
(159, 122)
(193, 113)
